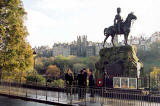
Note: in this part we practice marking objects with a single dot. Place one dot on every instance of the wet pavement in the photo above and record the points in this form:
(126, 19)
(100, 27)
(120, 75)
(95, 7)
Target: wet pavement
(5, 101)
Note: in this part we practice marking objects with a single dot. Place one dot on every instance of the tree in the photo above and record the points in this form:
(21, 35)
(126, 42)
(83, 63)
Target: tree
(150, 57)
(78, 67)
(61, 62)
(16, 55)
(53, 71)
(91, 61)
(42, 63)
(155, 49)
(39, 65)
(155, 73)
(155, 77)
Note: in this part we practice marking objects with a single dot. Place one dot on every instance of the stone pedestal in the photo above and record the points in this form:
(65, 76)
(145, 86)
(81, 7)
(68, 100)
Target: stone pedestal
(118, 61)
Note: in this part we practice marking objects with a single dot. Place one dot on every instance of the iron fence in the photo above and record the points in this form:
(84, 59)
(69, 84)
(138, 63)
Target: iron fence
(77, 95)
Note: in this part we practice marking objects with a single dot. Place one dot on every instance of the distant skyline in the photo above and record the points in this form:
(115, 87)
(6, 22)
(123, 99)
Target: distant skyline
(53, 21)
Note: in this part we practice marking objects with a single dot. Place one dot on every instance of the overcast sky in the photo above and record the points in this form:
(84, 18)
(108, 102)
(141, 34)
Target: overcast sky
(53, 21)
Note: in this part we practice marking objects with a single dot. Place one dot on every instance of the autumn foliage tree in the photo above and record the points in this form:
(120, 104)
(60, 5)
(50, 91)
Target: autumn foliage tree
(155, 78)
(53, 71)
(155, 73)
(16, 55)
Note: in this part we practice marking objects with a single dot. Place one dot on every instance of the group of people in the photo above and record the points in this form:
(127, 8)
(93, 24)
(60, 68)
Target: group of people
(84, 78)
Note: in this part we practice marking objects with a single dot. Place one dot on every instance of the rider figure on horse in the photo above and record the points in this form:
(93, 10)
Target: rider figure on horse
(118, 20)
(119, 27)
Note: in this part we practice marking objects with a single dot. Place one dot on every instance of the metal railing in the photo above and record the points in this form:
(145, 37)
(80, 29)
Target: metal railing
(81, 95)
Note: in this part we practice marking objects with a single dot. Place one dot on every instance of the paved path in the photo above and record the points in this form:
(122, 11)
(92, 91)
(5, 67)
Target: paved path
(5, 101)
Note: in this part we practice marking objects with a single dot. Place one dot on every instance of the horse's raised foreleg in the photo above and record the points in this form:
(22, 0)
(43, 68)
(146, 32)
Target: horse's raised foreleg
(105, 40)
(113, 41)
(126, 38)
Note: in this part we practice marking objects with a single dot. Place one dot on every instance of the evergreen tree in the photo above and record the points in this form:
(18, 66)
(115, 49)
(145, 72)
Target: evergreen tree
(16, 55)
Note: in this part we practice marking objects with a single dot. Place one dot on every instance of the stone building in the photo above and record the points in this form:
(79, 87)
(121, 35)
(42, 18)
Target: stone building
(73, 50)
(61, 49)
(82, 43)
(155, 37)
(98, 47)
(140, 42)
(82, 47)
(44, 51)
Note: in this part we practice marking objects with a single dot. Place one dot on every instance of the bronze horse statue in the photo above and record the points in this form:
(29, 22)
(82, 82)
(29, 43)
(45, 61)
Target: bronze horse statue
(125, 29)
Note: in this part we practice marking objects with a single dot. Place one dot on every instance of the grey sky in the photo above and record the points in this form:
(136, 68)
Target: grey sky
(52, 21)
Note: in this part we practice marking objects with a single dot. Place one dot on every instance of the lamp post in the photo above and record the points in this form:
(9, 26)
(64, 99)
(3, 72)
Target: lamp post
(34, 56)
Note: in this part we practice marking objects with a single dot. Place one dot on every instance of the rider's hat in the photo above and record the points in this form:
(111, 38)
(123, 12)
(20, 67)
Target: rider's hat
(118, 10)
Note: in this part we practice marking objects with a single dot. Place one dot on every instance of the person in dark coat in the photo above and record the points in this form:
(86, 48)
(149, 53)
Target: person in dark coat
(91, 82)
(69, 77)
(81, 79)
(85, 76)
(69, 80)
(81, 84)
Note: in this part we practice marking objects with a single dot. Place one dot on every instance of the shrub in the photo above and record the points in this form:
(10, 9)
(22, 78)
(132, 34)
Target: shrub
(34, 78)
(53, 71)
(58, 83)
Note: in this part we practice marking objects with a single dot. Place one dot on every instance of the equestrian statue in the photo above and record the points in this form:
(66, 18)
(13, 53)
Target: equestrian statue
(119, 27)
